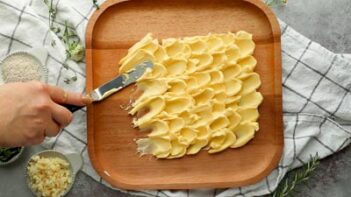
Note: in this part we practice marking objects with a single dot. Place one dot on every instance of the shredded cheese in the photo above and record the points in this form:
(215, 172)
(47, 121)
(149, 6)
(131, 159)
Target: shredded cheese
(49, 177)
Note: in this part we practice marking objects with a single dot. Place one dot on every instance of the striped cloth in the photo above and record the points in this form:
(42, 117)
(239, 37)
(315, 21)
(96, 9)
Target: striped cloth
(316, 90)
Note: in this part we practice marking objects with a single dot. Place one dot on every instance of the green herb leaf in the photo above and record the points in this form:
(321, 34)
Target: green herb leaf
(56, 30)
(292, 179)
(53, 43)
(275, 3)
(65, 66)
(67, 80)
(96, 5)
(74, 48)
(74, 78)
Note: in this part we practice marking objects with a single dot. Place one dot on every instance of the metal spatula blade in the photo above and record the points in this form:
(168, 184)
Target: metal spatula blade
(115, 84)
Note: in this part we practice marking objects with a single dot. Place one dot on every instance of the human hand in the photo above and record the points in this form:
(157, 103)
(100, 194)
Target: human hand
(30, 111)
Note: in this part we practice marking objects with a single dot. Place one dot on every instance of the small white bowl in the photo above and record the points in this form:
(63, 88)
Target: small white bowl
(75, 164)
(13, 159)
(43, 71)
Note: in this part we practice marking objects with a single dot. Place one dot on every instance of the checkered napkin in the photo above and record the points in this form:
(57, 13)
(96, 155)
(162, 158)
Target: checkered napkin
(316, 90)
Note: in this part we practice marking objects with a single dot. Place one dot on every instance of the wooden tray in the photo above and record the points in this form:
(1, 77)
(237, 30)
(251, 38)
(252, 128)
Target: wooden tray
(115, 27)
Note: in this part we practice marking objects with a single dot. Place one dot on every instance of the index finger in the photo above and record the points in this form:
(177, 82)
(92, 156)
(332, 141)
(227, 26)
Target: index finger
(58, 95)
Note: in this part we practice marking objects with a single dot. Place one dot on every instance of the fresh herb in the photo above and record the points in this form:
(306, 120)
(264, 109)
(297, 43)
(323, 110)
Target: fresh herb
(8, 153)
(52, 13)
(96, 5)
(289, 183)
(53, 43)
(274, 3)
(56, 30)
(69, 80)
(65, 65)
(74, 49)
(5, 153)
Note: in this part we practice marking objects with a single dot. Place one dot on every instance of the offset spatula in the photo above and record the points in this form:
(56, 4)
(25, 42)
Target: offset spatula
(115, 85)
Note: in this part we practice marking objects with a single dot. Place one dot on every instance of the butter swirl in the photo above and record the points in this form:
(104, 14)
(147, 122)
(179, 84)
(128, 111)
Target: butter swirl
(200, 94)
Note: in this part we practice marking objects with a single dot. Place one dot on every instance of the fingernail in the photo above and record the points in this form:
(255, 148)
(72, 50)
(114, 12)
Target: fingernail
(86, 99)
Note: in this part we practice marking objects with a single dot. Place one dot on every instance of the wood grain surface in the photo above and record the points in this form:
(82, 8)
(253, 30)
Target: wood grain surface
(115, 27)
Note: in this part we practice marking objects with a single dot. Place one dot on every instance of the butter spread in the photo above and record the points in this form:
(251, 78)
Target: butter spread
(200, 94)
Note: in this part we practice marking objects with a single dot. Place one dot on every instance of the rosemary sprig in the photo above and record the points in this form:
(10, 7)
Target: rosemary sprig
(274, 3)
(96, 5)
(289, 183)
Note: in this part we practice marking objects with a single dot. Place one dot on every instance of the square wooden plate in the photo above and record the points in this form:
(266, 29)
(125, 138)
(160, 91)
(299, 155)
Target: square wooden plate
(115, 27)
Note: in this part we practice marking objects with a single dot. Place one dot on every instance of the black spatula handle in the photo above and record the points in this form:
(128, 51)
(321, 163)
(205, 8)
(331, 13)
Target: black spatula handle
(72, 108)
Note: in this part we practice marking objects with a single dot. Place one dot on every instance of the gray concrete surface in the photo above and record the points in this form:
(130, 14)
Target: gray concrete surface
(324, 21)
(328, 23)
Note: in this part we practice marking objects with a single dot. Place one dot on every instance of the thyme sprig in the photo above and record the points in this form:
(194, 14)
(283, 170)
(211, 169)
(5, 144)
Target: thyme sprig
(289, 183)
(69, 37)
(73, 46)
(274, 3)
(52, 13)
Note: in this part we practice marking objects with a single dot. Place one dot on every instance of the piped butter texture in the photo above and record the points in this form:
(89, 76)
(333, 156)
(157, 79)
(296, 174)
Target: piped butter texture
(200, 95)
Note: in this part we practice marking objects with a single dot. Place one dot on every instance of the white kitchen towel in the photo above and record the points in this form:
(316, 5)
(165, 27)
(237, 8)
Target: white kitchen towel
(316, 90)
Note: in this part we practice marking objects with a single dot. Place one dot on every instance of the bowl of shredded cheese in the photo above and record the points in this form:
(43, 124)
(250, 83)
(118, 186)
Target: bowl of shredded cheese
(51, 173)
